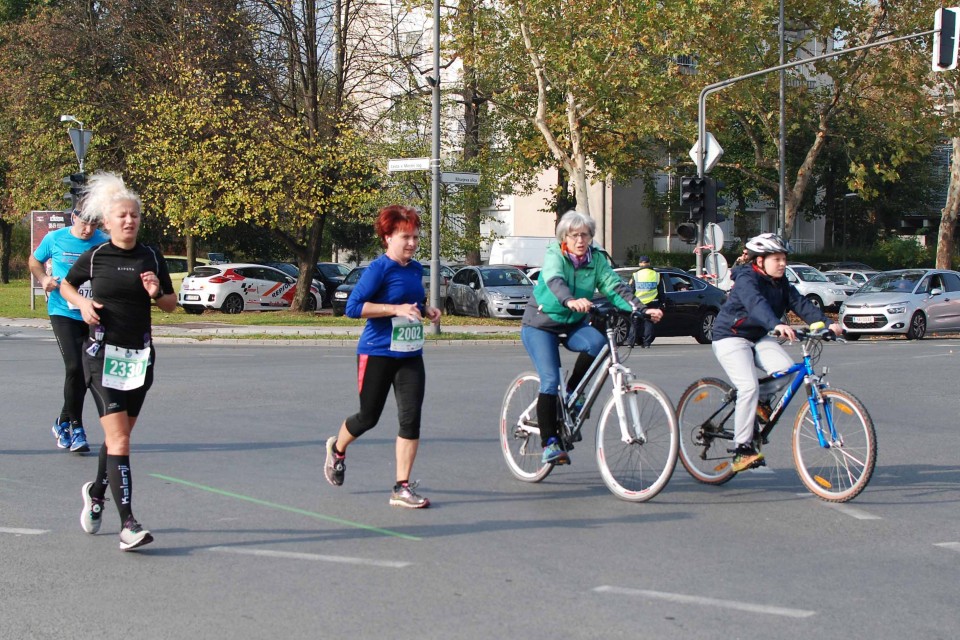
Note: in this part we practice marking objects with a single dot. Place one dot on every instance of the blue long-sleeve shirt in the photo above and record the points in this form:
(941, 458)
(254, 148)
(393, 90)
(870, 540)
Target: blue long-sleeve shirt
(385, 282)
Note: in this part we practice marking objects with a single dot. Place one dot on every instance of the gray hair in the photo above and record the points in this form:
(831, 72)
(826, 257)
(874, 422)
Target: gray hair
(575, 220)
(102, 190)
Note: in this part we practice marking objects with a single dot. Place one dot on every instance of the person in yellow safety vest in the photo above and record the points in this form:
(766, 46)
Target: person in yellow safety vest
(646, 284)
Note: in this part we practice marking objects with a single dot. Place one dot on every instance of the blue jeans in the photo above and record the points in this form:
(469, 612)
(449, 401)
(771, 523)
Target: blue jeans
(544, 349)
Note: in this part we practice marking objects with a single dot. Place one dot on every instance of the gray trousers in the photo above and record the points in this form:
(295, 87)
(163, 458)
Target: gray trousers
(740, 358)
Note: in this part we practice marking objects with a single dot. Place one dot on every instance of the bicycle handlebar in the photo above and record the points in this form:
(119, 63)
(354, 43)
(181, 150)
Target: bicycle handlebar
(805, 333)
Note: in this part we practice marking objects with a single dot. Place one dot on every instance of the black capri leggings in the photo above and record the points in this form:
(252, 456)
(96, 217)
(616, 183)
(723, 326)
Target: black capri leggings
(375, 376)
(115, 400)
(70, 336)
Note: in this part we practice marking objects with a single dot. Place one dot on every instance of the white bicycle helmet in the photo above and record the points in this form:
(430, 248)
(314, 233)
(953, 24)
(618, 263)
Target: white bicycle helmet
(767, 243)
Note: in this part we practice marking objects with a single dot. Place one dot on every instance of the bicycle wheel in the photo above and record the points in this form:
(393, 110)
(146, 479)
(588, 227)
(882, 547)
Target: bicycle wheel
(519, 433)
(704, 410)
(837, 473)
(638, 470)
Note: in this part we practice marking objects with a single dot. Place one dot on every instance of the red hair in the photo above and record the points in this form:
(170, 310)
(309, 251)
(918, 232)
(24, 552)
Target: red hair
(394, 217)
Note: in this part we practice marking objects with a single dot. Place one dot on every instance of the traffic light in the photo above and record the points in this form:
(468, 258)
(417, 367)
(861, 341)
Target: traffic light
(711, 202)
(76, 181)
(692, 195)
(688, 231)
(945, 39)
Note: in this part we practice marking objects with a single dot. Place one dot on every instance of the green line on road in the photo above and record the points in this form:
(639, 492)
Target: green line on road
(283, 507)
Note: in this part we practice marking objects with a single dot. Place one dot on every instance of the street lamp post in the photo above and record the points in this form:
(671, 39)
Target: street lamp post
(79, 137)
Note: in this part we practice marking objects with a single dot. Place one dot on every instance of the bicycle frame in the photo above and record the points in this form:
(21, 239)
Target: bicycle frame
(606, 364)
(803, 375)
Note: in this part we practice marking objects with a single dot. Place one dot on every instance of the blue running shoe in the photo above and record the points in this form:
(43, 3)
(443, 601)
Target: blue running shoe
(78, 439)
(552, 453)
(61, 431)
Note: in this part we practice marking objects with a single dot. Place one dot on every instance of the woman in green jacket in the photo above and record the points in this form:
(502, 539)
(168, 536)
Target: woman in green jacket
(557, 314)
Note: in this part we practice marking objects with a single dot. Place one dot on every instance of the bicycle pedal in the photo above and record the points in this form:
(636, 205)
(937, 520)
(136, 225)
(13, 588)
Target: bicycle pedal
(759, 463)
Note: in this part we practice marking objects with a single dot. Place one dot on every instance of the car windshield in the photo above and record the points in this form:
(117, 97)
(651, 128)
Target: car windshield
(903, 281)
(205, 272)
(839, 278)
(504, 278)
(354, 276)
(333, 270)
(809, 274)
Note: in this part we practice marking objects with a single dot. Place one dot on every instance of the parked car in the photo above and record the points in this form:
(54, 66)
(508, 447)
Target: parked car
(842, 279)
(331, 274)
(859, 276)
(691, 308)
(913, 302)
(293, 271)
(236, 287)
(177, 266)
(815, 287)
(845, 265)
(339, 300)
(497, 290)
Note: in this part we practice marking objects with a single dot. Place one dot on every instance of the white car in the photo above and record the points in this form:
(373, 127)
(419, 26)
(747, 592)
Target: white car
(815, 287)
(913, 302)
(236, 287)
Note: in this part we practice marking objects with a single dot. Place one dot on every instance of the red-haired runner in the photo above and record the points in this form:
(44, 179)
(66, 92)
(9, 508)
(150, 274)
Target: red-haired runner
(390, 296)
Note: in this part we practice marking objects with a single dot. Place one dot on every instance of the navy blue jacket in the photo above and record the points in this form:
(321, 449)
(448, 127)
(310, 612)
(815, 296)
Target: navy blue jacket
(757, 303)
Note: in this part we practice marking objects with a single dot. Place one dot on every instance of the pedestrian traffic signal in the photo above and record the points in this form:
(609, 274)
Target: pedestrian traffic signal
(688, 231)
(712, 202)
(945, 36)
(691, 195)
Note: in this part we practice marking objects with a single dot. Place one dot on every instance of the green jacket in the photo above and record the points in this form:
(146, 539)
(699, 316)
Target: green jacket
(560, 282)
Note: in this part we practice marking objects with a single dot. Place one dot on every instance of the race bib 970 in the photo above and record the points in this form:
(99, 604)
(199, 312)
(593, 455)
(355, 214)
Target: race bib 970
(85, 290)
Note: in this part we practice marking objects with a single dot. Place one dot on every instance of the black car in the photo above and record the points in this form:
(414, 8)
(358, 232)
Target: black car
(331, 274)
(293, 271)
(339, 299)
(691, 306)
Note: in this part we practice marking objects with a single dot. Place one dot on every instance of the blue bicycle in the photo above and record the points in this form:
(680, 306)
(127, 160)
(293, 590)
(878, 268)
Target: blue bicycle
(834, 442)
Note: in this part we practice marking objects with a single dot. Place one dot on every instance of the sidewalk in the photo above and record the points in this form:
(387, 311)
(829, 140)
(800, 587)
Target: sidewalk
(221, 333)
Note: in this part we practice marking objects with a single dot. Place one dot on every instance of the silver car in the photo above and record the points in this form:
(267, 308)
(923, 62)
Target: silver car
(913, 302)
(500, 291)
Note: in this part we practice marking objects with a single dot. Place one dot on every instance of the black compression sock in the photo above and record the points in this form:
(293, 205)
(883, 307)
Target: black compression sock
(121, 485)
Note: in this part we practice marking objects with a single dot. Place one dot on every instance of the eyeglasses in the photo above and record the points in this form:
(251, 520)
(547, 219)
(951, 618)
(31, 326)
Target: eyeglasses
(579, 236)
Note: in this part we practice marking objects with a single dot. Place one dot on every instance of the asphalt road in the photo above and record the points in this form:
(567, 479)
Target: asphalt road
(252, 543)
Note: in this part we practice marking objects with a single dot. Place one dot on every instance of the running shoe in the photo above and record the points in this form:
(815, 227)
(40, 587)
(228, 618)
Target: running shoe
(405, 496)
(335, 465)
(78, 439)
(133, 535)
(746, 457)
(553, 453)
(61, 431)
(90, 517)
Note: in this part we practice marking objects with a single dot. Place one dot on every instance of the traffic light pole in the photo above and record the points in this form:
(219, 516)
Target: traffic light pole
(717, 86)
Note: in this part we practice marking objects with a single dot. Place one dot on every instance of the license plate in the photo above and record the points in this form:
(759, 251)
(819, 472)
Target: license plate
(860, 319)
(191, 297)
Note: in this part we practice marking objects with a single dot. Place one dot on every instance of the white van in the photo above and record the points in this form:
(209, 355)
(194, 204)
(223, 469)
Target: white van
(520, 251)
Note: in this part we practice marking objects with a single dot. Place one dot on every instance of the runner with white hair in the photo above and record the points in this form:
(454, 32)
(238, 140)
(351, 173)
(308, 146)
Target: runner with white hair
(119, 357)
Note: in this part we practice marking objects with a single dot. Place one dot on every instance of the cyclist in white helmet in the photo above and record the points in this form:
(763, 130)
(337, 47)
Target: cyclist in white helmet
(755, 307)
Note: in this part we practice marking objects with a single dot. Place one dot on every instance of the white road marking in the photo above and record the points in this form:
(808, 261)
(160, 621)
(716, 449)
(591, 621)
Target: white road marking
(846, 509)
(953, 546)
(710, 602)
(293, 555)
(24, 532)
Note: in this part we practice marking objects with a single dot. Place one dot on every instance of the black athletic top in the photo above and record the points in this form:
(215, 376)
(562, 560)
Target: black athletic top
(114, 275)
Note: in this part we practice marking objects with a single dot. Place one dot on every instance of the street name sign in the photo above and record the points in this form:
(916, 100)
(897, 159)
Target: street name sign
(408, 164)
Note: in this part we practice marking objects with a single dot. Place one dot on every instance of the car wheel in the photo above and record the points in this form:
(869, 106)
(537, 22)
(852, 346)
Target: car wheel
(816, 301)
(851, 337)
(311, 302)
(337, 311)
(483, 311)
(918, 327)
(704, 334)
(233, 304)
(621, 329)
(193, 310)
(449, 307)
